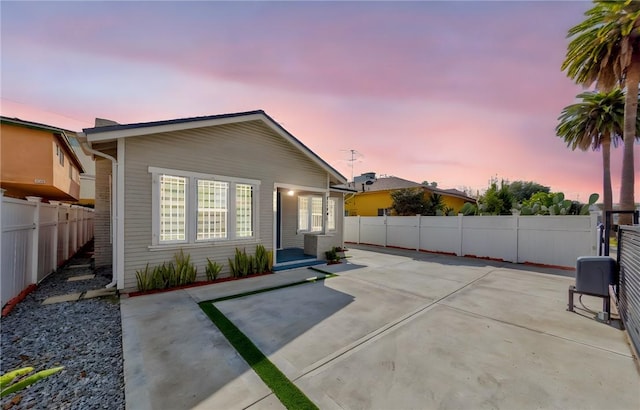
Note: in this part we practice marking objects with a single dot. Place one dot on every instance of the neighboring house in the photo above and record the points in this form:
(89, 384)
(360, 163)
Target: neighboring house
(207, 185)
(373, 195)
(88, 177)
(38, 160)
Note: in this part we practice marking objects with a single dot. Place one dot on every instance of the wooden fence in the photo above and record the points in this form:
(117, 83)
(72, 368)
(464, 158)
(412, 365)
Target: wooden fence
(36, 238)
(547, 240)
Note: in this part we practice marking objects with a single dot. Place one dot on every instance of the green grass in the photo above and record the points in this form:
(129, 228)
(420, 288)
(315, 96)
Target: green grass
(284, 389)
(287, 392)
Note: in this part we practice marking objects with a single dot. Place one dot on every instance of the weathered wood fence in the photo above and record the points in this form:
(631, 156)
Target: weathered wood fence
(547, 240)
(36, 238)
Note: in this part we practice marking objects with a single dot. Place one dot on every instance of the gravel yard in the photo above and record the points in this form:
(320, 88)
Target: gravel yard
(83, 336)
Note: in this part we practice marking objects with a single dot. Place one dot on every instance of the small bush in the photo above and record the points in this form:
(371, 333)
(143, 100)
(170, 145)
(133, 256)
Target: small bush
(261, 260)
(212, 269)
(241, 264)
(145, 279)
(185, 272)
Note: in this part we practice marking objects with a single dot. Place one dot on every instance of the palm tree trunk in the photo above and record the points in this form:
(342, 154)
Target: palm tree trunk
(627, 201)
(606, 177)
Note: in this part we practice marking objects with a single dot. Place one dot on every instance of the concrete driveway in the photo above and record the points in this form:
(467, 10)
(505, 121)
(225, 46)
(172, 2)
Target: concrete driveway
(396, 330)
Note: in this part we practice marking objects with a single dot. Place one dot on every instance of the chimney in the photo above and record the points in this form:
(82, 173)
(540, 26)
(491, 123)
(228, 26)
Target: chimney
(103, 122)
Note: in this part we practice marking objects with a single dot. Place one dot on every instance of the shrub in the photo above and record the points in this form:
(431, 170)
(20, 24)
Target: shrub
(145, 278)
(212, 269)
(241, 264)
(262, 259)
(185, 272)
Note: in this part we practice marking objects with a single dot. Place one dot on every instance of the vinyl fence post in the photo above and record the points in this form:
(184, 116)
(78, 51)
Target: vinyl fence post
(358, 237)
(35, 239)
(516, 222)
(56, 232)
(385, 230)
(418, 229)
(460, 219)
(595, 233)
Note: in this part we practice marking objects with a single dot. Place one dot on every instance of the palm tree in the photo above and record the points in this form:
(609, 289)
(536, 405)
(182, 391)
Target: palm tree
(596, 122)
(605, 49)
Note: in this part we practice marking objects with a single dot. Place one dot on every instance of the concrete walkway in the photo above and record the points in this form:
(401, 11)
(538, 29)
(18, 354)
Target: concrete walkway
(397, 329)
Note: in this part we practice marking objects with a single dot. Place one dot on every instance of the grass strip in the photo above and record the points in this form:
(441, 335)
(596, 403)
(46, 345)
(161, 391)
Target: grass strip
(287, 392)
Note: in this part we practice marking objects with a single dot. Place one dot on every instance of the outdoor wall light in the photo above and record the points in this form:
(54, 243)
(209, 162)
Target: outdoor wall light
(290, 193)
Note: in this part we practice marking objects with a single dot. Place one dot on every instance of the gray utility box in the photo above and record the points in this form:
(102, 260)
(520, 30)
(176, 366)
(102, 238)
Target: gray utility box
(594, 274)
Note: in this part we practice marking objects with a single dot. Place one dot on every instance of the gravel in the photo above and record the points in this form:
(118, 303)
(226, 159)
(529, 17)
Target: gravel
(84, 336)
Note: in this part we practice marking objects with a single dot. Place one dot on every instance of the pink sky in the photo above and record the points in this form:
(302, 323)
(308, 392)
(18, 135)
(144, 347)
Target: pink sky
(452, 92)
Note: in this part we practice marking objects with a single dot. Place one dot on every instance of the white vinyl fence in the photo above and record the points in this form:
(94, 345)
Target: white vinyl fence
(36, 238)
(547, 240)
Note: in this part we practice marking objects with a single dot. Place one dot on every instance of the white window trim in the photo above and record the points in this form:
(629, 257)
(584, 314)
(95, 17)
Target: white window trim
(192, 209)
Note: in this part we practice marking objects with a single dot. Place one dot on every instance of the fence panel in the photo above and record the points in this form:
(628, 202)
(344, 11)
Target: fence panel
(373, 230)
(489, 237)
(35, 240)
(548, 240)
(17, 227)
(402, 231)
(438, 234)
(553, 240)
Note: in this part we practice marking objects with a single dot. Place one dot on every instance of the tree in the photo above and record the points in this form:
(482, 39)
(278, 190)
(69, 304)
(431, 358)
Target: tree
(523, 190)
(596, 122)
(605, 49)
(409, 201)
(434, 204)
(496, 201)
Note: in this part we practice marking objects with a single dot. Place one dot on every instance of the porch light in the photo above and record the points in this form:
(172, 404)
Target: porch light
(290, 193)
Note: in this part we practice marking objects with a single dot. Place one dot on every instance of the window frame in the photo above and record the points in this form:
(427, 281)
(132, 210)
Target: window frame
(192, 208)
(332, 208)
(308, 226)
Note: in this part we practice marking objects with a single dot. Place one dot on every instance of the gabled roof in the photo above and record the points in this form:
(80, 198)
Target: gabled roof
(114, 132)
(60, 132)
(394, 183)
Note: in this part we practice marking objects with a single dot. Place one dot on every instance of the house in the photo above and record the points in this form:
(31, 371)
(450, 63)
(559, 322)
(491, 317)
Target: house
(373, 195)
(38, 160)
(208, 185)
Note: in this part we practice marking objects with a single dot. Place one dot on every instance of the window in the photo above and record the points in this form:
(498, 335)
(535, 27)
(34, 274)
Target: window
(173, 208)
(212, 209)
(190, 207)
(244, 214)
(331, 214)
(310, 215)
(60, 155)
(316, 214)
(303, 213)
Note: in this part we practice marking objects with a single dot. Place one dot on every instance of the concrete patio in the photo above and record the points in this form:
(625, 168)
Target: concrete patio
(397, 329)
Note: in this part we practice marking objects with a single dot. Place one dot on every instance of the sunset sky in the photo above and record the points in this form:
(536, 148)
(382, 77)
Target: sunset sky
(452, 92)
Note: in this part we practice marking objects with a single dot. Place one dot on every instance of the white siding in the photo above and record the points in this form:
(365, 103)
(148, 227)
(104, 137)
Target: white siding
(246, 150)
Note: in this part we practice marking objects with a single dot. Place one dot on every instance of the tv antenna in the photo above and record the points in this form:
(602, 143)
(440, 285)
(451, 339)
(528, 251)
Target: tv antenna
(354, 157)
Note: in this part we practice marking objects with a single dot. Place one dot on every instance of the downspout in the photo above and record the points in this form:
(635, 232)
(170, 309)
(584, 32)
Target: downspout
(84, 144)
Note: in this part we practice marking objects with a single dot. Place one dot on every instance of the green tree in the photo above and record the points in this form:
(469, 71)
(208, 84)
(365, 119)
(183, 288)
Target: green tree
(409, 201)
(596, 122)
(605, 49)
(434, 204)
(496, 201)
(523, 190)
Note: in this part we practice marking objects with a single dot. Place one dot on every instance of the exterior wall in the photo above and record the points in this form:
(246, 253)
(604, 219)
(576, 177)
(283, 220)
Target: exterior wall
(244, 150)
(102, 218)
(368, 203)
(29, 165)
(26, 155)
